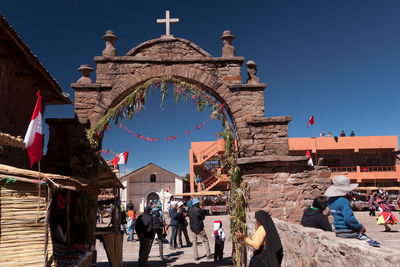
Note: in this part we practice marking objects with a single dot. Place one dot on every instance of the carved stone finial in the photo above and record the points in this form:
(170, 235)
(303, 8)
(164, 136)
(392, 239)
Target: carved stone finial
(85, 70)
(228, 50)
(252, 71)
(110, 39)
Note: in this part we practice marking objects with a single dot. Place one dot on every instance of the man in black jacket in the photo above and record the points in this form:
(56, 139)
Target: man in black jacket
(313, 216)
(196, 216)
(144, 230)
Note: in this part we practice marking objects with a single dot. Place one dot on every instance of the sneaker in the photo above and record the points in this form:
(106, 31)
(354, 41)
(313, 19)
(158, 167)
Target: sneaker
(197, 258)
(172, 248)
(178, 247)
(374, 243)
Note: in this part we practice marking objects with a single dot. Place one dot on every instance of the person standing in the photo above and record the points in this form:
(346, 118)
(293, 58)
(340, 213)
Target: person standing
(196, 217)
(371, 205)
(158, 226)
(131, 222)
(144, 230)
(342, 134)
(219, 239)
(265, 241)
(182, 225)
(173, 225)
(123, 219)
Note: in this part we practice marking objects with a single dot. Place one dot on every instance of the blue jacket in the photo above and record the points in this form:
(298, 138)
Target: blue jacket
(172, 213)
(343, 215)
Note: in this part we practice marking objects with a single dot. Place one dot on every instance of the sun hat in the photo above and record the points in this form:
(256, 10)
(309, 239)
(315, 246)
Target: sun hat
(195, 201)
(341, 186)
(180, 204)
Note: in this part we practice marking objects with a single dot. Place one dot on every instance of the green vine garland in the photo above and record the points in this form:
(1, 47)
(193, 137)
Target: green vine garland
(134, 103)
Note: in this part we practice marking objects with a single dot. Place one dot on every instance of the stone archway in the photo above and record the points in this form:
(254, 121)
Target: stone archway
(152, 196)
(279, 183)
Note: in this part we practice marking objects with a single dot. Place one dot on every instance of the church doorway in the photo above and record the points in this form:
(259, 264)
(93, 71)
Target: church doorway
(152, 197)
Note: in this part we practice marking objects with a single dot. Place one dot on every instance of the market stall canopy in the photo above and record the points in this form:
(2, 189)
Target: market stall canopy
(28, 176)
(11, 141)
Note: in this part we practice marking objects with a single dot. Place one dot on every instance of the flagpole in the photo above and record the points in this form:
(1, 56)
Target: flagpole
(37, 211)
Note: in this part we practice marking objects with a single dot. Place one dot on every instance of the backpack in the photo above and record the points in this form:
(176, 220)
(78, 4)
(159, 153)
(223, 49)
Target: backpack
(157, 221)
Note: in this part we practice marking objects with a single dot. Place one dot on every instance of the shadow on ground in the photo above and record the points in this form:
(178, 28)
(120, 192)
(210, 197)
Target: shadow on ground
(172, 262)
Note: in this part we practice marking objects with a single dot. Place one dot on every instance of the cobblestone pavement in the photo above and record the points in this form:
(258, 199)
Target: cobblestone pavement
(180, 257)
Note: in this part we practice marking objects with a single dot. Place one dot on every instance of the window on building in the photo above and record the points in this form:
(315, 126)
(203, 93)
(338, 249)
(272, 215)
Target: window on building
(152, 178)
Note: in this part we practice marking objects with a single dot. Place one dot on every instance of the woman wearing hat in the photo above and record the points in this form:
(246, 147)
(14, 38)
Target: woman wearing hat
(346, 225)
(385, 216)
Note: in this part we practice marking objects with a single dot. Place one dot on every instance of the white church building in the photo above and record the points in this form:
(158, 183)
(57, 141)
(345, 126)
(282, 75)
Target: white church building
(150, 182)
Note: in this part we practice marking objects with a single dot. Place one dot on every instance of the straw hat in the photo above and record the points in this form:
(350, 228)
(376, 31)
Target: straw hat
(341, 186)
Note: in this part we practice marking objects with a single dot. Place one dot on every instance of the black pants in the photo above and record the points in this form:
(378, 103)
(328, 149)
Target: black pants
(183, 229)
(371, 212)
(219, 250)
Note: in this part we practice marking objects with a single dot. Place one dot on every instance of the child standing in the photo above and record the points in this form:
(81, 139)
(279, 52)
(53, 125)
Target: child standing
(219, 237)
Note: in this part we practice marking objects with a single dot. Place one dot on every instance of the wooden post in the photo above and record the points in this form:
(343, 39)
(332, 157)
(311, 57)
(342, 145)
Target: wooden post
(49, 198)
(68, 219)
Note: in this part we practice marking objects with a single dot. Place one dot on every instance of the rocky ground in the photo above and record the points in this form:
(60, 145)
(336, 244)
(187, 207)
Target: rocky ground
(184, 257)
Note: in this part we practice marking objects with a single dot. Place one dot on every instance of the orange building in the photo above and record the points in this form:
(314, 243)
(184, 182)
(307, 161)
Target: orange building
(372, 161)
(368, 160)
(206, 172)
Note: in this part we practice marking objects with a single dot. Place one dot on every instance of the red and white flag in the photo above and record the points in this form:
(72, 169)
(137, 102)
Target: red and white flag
(310, 162)
(310, 121)
(33, 138)
(121, 158)
(169, 188)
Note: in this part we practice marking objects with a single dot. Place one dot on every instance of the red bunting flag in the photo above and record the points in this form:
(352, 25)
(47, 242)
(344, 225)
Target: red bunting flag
(33, 138)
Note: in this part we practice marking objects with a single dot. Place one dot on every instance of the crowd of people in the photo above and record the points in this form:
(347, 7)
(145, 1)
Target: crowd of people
(152, 226)
(342, 134)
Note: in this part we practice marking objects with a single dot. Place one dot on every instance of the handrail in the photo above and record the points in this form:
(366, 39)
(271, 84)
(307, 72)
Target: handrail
(343, 169)
(363, 169)
(377, 168)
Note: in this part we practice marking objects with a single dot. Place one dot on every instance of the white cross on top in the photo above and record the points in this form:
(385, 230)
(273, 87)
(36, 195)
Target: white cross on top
(167, 22)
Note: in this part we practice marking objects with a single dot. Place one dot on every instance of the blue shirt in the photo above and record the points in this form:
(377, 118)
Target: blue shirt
(343, 215)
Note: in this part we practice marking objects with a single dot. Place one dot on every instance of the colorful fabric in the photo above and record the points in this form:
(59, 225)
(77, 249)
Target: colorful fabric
(386, 217)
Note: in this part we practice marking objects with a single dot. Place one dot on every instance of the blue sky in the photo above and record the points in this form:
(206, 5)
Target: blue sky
(337, 60)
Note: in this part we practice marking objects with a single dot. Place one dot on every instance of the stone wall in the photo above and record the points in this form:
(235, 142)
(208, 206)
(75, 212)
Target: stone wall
(308, 247)
(284, 191)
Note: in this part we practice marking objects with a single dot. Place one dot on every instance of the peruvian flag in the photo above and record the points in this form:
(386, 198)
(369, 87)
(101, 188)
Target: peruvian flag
(310, 162)
(33, 138)
(169, 188)
(121, 158)
(310, 121)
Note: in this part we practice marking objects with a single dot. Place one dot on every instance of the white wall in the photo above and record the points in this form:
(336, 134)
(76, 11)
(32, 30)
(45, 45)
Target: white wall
(138, 186)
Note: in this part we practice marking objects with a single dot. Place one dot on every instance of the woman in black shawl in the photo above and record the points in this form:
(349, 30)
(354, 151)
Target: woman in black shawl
(270, 251)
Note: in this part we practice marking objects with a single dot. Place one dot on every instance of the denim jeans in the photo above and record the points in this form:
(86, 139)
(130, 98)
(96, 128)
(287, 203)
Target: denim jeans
(123, 227)
(130, 238)
(172, 240)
